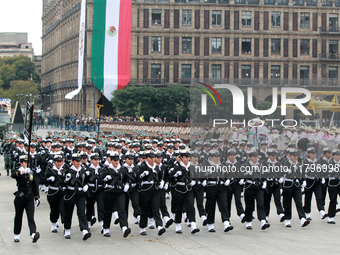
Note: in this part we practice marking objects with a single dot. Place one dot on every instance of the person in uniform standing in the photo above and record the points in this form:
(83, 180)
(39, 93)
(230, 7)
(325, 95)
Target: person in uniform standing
(26, 198)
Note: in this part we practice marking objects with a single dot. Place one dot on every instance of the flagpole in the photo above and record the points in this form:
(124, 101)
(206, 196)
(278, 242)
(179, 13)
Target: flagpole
(98, 109)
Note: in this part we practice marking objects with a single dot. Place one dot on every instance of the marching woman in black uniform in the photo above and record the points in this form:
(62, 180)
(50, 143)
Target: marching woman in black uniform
(333, 185)
(254, 189)
(292, 184)
(76, 187)
(216, 192)
(26, 197)
(183, 192)
(95, 192)
(133, 194)
(313, 185)
(54, 177)
(149, 196)
(115, 187)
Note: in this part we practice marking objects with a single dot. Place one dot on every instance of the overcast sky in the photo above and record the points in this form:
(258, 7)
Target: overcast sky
(23, 16)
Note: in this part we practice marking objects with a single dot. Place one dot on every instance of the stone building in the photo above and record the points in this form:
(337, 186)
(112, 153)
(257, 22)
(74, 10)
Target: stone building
(13, 44)
(246, 42)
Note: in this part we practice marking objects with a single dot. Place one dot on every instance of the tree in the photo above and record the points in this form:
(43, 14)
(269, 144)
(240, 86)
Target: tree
(20, 87)
(7, 74)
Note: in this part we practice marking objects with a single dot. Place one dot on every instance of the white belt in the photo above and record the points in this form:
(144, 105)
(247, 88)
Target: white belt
(147, 182)
(181, 183)
(109, 186)
(91, 184)
(251, 182)
(72, 188)
(311, 178)
(53, 188)
(212, 182)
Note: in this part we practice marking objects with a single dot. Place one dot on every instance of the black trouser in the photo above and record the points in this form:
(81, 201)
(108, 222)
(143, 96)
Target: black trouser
(217, 193)
(333, 193)
(250, 194)
(149, 200)
(114, 201)
(173, 206)
(323, 193)
(8, 162)
(188, 199)
(199, 195)
(77, 199)
(56, 201)
(288, 195)
(316, 187)
(134, 197)
(272, 189)
(163, 208)
(236, 190)
(21, 204)
(91, 199)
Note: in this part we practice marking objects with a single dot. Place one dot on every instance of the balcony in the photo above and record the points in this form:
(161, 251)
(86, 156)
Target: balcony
(329, 30)
(253, 1)
(240, 1)
(329, 57)
(269, 2)
(298, 2)
(282, 2)
(311, 2)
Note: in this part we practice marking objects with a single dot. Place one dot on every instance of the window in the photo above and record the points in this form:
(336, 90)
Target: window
(304, 72)
(216, 72)
(186, 17)
(246, 18)
(276, 46)
(333, 20)
(297, 2)
(246, 71)
(216, 18)
(333, 72)
(216, 44)
(304, 46)
(275, 72)
(333, 48)
(156, 17)
(186, 44)
(186, 74)
(305, 19)
(179, 1)
(156, 73)
(156, 42)
(246, 45)
(276, 19)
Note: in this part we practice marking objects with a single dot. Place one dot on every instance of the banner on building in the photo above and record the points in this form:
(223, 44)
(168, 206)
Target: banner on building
(81, 50)
(111, 45)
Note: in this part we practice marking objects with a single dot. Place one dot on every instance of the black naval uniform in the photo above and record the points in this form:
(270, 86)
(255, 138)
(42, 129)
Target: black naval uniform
(26, 193)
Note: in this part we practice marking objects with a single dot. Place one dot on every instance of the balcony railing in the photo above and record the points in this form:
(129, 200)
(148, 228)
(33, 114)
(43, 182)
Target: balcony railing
(253, 1)
(327, 3)
(282, 2)
(329, 56)
(311, 2)
(329, 29)
(269, 2)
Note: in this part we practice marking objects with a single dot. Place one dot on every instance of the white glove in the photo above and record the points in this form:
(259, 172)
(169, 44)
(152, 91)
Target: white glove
(85, 188)
(178, 173)
(304, 183)
(192, 183)
(50, 161)
(166, 186)
(145, 173)
(133, 185)
(27, 170)
(52, 178)
(227, 182)
(264, 185)
(87, 173)
(241, 182)
(221, 182)
(68, 177)
(107, 178)
(126, 187)
(204, 183)
(38, 170)
(161, 185)
(281, 180)
(37, 202)
(323, 180)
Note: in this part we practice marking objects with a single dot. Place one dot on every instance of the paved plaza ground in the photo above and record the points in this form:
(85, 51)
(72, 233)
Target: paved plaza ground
(318, 238)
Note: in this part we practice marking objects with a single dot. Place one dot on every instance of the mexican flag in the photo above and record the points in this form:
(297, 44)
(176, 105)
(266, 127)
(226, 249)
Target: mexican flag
(111, 45)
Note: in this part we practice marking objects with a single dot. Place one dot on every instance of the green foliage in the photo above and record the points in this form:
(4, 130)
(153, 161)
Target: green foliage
(170, 102)
(15, 69)
(265, 105)
(23, 88)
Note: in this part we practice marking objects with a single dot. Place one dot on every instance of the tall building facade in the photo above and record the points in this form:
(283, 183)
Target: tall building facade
(250, 42)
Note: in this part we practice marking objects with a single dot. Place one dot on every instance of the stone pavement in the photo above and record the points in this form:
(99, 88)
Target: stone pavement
(319, 237)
